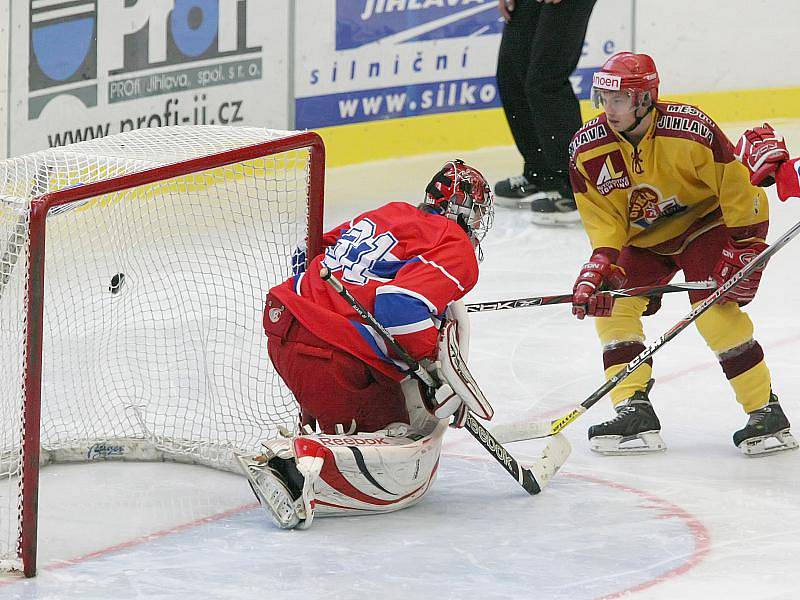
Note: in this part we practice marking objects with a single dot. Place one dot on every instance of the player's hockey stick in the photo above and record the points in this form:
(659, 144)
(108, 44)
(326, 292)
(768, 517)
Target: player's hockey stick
(644, 290)
(528, 431)
(534, 477)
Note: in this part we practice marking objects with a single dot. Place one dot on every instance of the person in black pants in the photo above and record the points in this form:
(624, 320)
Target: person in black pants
(542, 42)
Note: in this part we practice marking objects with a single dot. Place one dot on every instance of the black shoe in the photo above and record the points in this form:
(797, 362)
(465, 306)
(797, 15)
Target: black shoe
(516, 187)
(554, 204)
(766, 422)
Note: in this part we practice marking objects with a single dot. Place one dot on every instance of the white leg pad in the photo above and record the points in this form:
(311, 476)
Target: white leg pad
(372, 472)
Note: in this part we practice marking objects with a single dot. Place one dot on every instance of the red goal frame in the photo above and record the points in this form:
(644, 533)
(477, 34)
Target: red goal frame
(27, 542)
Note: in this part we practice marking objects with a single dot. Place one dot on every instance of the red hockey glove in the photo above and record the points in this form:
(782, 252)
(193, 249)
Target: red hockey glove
(735, 255)
(762, 151)
(598, 274)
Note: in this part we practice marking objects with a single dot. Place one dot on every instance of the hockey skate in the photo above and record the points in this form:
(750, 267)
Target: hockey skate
(767, 431)
(635, 429)
(278, 485)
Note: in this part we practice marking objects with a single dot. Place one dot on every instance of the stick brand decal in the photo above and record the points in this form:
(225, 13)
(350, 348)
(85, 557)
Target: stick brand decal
(645, 206)
(366, 21)
(608, 172)
(490, 443)
(103, 451)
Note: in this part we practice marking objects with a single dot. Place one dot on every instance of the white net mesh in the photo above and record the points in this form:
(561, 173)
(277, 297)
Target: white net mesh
(152, 336)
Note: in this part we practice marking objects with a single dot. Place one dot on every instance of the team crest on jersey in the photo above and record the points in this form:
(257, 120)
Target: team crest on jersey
(275, 314)
(646, 206)
(608, 172)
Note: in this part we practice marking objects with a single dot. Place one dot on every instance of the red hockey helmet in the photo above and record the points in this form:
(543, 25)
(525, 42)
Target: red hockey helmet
(626, 76)
(459, 192)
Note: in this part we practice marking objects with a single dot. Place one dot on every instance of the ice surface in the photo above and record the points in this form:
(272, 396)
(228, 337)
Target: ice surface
(698, 521)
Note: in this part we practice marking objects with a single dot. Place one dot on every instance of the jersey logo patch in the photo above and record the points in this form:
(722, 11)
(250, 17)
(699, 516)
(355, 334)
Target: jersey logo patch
(646, 206)
(608, 172)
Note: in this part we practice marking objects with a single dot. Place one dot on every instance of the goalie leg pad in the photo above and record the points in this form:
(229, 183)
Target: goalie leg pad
(370, 473)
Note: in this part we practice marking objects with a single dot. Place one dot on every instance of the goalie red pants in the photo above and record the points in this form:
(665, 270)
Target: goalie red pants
(331, 385)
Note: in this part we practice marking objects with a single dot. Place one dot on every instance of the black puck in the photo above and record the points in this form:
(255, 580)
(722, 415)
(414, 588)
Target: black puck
(116, 283)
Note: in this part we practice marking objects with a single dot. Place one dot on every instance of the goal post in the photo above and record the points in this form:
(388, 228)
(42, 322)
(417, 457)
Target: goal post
(134, 272)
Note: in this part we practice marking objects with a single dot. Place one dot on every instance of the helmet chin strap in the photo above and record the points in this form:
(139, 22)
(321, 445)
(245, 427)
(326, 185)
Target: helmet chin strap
(637, 119)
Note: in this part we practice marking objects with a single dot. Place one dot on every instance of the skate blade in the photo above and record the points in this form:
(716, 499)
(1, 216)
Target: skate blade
(761, 446)
(616, 445)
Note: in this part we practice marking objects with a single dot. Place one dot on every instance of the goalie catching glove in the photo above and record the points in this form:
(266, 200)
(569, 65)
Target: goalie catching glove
(458, 392)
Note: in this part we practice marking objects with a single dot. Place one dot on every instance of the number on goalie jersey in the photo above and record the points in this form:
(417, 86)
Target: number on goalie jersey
(378, 449)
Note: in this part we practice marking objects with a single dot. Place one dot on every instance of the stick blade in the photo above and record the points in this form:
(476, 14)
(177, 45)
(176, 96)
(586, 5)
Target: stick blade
(552, 459)
(522, 430)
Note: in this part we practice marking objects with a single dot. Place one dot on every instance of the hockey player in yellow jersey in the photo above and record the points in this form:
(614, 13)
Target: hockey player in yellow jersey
(659, 190)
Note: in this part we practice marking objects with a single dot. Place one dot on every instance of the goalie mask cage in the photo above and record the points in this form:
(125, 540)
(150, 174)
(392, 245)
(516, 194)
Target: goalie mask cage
(133, 274)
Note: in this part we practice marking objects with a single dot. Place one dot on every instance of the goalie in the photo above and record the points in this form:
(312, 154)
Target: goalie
(380, 433)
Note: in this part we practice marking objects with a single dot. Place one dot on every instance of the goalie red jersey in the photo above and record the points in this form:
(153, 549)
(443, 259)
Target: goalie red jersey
(401, 263)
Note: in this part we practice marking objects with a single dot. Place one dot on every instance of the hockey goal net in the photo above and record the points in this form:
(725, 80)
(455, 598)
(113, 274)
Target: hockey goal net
(133, 273)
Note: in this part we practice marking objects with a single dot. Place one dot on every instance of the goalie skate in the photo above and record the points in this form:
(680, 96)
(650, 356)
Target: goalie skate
(272, 492)
(766, 432)
(635, 430)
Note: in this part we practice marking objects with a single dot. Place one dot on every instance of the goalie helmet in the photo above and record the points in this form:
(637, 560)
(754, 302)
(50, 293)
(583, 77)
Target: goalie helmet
(459, 192)
(630, 78)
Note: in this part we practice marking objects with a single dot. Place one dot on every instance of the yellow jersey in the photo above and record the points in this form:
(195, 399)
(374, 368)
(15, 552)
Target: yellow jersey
(681, 180)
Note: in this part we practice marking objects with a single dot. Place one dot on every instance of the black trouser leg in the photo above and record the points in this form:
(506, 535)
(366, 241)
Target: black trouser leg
(512, 72)
(539, 50)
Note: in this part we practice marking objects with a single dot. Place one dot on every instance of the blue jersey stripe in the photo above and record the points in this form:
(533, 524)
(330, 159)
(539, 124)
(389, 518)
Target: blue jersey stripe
(387, 269)
(393, 310)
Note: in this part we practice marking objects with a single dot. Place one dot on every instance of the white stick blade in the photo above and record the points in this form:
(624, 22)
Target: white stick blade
(554, 456)
(521, 430)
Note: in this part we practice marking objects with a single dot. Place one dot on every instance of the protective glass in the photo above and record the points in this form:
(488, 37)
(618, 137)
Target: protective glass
(617, 102)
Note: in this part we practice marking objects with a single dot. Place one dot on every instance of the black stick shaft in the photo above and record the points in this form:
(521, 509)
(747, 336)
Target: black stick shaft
(645, 290)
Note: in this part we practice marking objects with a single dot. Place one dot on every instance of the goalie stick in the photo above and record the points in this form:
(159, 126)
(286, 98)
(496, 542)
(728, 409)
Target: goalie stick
(527, 431)
(533, 477)
(645, 290)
